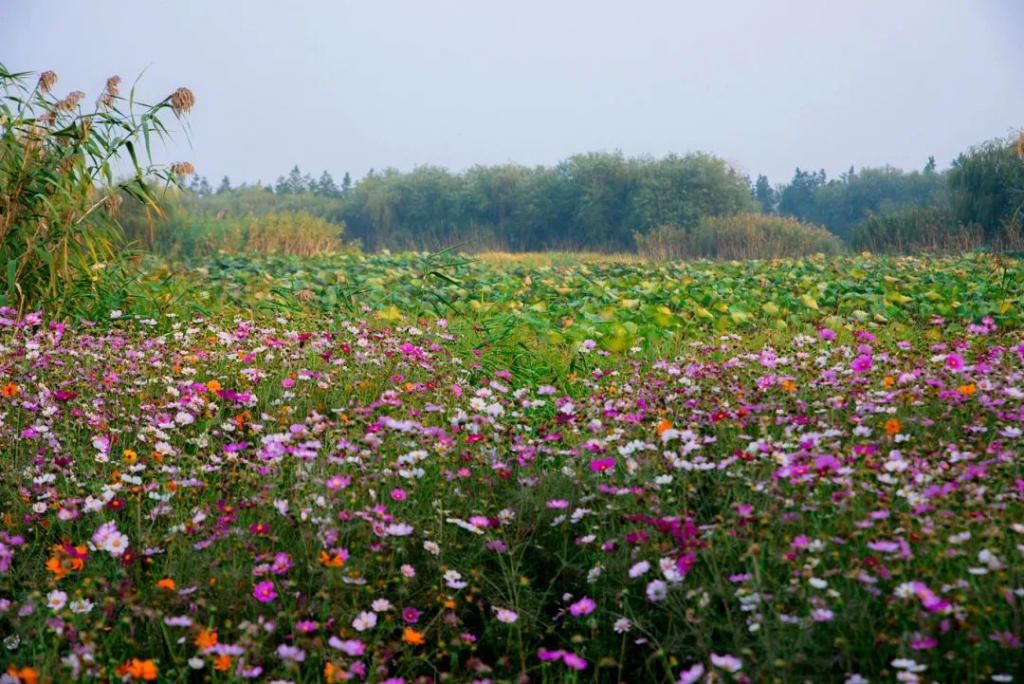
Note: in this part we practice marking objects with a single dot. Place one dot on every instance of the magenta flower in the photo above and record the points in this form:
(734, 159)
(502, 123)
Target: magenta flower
(264, 591)
(585, 606)
(336, 482)
(861, 364)
(924, 643)
(410, 615)
(282, 563)
(574, 661)
(954, 362)
(546, 655)
(600, 465)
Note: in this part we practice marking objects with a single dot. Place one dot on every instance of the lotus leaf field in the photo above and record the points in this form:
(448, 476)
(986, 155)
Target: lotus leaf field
(428, 468)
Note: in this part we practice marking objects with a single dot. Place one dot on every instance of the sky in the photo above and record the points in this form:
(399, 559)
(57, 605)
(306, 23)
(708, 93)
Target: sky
(342, 85)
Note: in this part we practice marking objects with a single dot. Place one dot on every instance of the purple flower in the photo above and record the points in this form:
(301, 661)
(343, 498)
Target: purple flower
(585, 606)
(692, 675)
(861, 364)
(574, 661)
(291, 653)
(548, 656)
(264, 591)
(350, 647)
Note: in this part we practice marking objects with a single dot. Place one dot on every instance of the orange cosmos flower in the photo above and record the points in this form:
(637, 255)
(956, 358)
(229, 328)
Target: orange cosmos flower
(663, 426)
(9, 390)
(25, 675)
(167, 583)
(207, 638)
(892, 427)
(214, 385)
(222, 663)
(335, 561)
(788, 386)
(333, 673)
(54, 565)
(412, 637)
(139, 669)
(967, 390)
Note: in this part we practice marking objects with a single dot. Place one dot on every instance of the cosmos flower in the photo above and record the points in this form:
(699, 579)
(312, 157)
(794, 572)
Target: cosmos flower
(585, 606)
(264, 591)
(364, 621)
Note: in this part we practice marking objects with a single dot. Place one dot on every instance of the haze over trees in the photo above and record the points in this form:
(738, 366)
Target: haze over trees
(604, 201)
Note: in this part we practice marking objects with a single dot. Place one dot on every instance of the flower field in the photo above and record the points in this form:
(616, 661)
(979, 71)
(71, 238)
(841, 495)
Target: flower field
(407, 468)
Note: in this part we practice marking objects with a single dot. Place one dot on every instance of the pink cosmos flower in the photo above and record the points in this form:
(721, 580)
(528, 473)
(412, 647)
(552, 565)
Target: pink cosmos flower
(729, 663)
(350, 647)
(692, 675)
(924, 643)
(600, 465)
(336, 482)
(574, 661)
(861, 364)
(585, 606)
(264, 591)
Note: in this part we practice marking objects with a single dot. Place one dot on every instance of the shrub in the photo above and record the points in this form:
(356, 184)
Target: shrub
(930, 229)
(916, 229)
(176, 229)
(987, 187)
(739, 236)
(58, 196)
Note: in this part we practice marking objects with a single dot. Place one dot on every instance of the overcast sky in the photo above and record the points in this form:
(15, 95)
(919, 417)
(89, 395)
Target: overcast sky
(349, 85)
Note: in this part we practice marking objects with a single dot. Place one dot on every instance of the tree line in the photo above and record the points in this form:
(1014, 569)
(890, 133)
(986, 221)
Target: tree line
(609, 202)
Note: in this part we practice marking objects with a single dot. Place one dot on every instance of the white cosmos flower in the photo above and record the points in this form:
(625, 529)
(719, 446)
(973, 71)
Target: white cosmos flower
(56, 600)
(639, 569)
(657, 590)
(505, 615)
(81, 606)
(364, 621)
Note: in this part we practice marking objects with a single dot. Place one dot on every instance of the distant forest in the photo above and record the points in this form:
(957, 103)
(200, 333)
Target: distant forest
(608, 202)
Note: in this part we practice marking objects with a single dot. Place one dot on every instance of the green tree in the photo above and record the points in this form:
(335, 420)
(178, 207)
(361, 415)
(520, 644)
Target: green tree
(987, 187)
(325, 186)
(765, 195)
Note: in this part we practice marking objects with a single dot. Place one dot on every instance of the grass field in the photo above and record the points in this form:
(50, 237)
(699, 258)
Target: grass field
(534, 468)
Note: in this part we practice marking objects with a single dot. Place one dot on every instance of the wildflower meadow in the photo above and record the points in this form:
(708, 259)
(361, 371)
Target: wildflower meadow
(594, 470)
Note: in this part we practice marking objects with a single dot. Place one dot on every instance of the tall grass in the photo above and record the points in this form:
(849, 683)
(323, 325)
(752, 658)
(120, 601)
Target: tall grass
(916, 229)
(178, 229)
(58, 195)
(739, 236)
